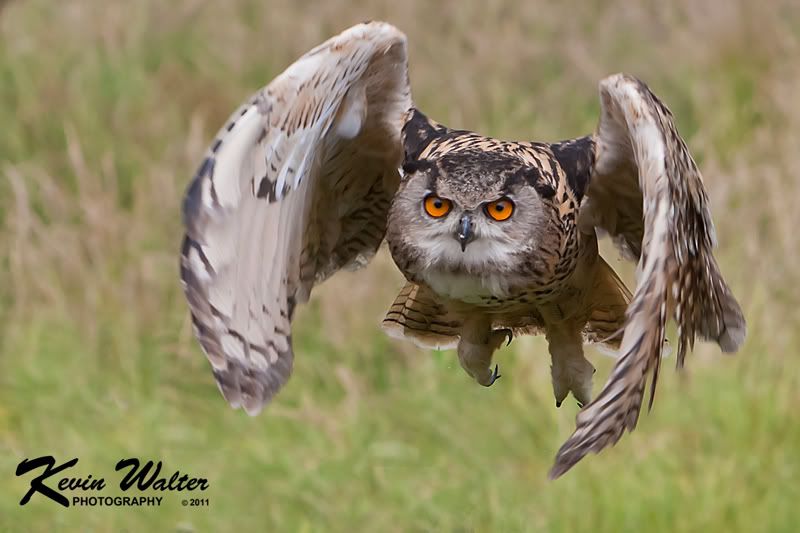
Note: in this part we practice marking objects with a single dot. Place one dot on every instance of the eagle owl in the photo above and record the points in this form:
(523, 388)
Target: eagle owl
(495, 238)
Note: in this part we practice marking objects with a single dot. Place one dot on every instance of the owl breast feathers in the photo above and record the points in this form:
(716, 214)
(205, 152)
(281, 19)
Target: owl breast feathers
(495, 238)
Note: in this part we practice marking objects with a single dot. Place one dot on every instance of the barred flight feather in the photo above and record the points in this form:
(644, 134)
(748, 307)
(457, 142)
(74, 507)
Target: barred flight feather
(295, 187)
(639, 148)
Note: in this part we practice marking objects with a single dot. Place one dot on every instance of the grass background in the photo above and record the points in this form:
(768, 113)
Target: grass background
(105, 109)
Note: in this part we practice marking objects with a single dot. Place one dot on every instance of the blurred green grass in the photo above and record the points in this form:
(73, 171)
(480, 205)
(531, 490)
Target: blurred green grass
(106, 108)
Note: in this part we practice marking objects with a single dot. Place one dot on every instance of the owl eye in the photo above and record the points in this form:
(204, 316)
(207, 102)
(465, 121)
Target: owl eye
(436, 207)
(500, 210)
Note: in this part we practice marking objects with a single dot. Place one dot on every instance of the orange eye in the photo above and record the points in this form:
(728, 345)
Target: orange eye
(436, 207)
(500, 210)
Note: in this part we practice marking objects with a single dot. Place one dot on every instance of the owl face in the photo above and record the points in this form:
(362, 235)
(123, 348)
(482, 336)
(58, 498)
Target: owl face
(465, 213)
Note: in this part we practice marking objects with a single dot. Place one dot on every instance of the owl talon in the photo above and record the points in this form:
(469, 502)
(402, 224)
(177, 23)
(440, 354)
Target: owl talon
(495, 376)
(504, 334)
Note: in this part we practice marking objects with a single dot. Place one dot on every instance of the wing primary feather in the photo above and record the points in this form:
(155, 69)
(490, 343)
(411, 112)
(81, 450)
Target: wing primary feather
(643, 172)
(263, 213)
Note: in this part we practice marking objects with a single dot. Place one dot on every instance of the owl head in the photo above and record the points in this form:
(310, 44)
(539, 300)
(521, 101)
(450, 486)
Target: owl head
(464, 209)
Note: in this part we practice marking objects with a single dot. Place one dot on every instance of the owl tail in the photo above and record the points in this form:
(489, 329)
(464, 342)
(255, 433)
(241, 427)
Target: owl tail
(415, 315)
(607, 302)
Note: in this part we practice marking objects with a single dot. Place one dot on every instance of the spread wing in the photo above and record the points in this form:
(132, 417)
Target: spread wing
(647, 193)
(296, 186)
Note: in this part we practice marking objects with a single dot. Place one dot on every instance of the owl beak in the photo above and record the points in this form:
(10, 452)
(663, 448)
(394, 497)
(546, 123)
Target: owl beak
(465, 234)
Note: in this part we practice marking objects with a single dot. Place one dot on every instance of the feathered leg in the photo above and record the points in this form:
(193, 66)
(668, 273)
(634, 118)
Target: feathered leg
(570, 370)
(477, 345)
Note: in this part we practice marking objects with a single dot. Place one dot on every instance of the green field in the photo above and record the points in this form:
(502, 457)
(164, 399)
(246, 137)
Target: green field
(105, 110)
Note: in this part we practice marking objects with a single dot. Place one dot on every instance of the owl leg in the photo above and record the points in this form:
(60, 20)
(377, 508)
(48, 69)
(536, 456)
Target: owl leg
(475, 349)
(570, 371)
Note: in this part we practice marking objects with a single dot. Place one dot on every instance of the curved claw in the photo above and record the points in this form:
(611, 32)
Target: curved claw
(495, 376)
(509, 335)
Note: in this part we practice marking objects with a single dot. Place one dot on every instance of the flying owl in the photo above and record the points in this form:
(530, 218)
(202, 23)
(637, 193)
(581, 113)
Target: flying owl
(495, 238)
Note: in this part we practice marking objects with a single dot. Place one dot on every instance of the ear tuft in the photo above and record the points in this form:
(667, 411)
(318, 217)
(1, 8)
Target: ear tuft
(418, 132)
(417, 165)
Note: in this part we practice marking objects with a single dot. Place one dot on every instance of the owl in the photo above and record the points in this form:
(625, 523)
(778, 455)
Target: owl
(495, 238)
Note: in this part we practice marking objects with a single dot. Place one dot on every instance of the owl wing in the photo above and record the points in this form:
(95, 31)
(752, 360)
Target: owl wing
(645, 190)
(296, 186)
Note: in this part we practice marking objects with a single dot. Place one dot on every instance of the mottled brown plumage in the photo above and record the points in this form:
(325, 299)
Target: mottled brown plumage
(317, 168)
